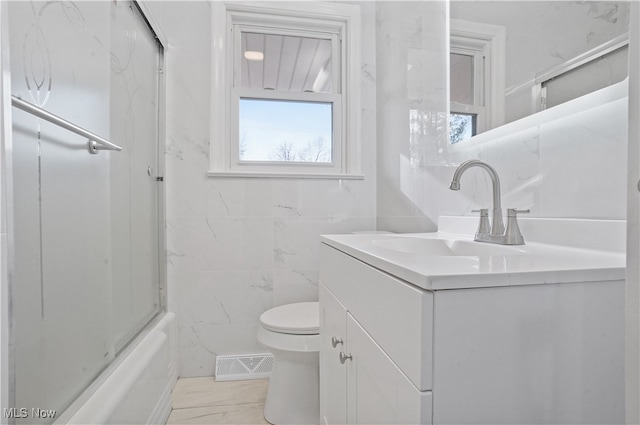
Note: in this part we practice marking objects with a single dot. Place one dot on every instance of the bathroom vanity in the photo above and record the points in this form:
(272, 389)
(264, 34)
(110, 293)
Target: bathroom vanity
(437, 328)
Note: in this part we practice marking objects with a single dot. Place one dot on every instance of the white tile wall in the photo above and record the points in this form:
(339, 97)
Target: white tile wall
(411, 49)
(583, 164)
(237, 247)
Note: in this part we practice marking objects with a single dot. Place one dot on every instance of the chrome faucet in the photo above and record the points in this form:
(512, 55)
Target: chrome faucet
(497, 226)
(498, 234)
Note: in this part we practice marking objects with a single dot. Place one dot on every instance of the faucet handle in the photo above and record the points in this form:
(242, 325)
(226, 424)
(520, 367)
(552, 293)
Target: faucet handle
(512, 234)
(484, 226)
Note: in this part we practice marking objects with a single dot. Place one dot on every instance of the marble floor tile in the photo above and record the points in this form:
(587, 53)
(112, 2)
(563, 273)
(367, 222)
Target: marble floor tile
(205, 401)
(248, 413)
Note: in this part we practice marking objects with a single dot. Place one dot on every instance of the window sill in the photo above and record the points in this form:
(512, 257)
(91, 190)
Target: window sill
(245, 174)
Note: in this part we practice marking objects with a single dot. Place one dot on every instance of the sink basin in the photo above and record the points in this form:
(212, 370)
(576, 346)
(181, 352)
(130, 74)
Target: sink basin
(446, 247)
(557, 250)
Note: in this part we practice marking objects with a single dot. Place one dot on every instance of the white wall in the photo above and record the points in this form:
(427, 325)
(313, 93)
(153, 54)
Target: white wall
(239, 246)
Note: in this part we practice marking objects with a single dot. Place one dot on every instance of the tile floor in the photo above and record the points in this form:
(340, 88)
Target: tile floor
(205, 401)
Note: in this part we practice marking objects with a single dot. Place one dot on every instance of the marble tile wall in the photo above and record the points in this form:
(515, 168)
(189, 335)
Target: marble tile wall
(239, 246)
(411, 54)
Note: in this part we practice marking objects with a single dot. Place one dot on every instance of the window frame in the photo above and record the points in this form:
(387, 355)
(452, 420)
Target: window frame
(339, 22)
(238, 92)
(478, 106)
(487, 44)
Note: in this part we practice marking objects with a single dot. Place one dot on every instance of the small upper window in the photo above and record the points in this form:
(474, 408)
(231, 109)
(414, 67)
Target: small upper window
(466, 74)
(476, 78)
(292, 78)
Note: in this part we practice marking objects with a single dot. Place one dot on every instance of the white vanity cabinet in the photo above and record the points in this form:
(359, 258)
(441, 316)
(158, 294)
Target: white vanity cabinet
(359, 383)
(545, 353)
(378, 381)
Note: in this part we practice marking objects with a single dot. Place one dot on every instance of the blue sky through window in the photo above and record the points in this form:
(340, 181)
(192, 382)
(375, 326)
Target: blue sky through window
(277, 130)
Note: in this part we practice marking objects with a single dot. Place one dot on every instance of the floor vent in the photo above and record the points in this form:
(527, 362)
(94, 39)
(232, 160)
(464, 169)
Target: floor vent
(243, 366)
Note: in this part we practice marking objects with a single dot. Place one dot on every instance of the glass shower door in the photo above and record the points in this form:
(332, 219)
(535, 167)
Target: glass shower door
(135, 70)
(86, 254)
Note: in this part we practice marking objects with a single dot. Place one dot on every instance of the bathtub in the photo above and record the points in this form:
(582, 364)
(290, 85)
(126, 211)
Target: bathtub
(138, 389)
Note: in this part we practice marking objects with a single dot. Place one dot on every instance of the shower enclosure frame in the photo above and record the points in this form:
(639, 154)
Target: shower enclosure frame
(7, 243)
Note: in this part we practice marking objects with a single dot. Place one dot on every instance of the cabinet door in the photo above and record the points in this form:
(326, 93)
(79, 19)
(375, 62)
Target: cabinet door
(377, 391)
(333, 375)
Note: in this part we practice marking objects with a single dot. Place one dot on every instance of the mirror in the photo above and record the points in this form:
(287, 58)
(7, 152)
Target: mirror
(511, 59)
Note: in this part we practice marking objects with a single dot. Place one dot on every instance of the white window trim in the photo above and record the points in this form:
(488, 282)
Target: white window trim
(224, 160)
(491, 41)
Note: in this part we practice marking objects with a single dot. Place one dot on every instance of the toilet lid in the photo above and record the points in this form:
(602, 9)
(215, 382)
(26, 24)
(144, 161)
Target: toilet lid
(298, 319)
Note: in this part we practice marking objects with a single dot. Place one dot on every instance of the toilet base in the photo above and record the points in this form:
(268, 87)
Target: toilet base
(293, 394)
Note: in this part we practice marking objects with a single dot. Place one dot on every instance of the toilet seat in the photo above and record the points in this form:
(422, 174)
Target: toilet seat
(289, 342)
(293, 319)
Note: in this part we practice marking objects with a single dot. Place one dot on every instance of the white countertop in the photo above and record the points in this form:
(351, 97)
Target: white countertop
(483, 265)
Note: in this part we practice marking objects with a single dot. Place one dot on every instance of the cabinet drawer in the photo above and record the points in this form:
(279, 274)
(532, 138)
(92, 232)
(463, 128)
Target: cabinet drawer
(398, 316)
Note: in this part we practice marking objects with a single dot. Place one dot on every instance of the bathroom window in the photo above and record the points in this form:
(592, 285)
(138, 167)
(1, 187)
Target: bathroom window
(466, 75)
(476, 78)
(290, 92)
(284, 89)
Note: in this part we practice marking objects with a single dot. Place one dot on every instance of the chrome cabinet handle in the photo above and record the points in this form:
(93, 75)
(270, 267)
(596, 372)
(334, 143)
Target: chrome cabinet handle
(344, 357)
(335, 341)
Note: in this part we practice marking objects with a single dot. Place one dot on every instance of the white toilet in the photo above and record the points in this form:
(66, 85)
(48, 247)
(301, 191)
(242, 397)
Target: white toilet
(291, 332)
